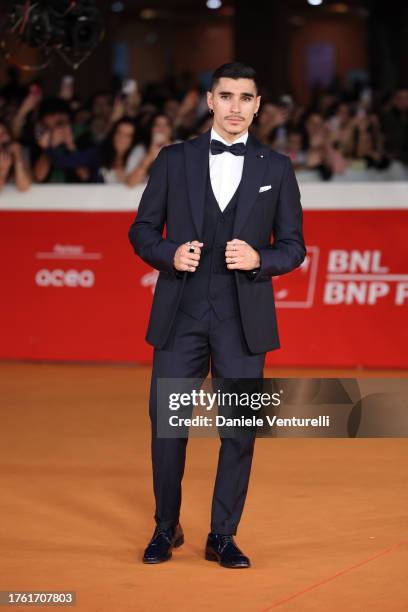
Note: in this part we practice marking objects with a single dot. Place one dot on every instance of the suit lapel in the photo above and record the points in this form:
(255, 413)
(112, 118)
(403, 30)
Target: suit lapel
(255, 164)
(196, 152)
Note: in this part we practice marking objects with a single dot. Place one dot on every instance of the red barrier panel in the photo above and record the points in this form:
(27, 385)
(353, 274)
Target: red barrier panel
(73, 290)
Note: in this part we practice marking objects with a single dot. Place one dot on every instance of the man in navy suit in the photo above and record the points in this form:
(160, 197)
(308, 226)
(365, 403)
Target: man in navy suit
(221, 196)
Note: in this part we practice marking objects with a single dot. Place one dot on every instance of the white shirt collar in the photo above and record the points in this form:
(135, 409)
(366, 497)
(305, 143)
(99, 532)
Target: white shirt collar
(243, 138)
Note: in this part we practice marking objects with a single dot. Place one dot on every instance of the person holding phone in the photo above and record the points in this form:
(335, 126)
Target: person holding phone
(118, 159)
(116, 151)
(125, 161)
(159, 134)
(54, 136)
(28, 107)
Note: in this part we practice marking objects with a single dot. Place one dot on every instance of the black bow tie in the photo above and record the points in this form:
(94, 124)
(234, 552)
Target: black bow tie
(217, 147)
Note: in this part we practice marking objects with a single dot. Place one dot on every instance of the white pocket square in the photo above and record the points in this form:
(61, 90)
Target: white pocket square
(264, 188)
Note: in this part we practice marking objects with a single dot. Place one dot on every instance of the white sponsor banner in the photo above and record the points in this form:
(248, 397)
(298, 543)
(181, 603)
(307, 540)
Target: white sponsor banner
(110, 198)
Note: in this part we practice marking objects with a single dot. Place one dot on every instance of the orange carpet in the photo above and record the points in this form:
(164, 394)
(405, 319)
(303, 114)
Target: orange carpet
(325, 523)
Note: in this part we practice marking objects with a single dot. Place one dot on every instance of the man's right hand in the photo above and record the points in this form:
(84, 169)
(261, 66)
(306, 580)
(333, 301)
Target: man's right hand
(185, 261)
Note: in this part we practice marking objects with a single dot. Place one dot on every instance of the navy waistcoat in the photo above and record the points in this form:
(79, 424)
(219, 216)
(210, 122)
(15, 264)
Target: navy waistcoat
(212, 285)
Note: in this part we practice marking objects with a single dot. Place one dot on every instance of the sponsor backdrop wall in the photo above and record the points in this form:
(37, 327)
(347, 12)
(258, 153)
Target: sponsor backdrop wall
(73, 289)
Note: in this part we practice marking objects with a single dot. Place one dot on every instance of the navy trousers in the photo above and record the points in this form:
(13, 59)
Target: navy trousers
(195, 346)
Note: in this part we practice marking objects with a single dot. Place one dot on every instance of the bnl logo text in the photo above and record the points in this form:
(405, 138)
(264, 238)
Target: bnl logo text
(357, 277)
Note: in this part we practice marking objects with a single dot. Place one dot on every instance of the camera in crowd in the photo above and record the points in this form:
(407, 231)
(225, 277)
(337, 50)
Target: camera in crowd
(73, 26)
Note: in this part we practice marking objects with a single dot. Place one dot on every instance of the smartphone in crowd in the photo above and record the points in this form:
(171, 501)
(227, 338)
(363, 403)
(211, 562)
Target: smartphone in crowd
(129, 86)
(67, 87)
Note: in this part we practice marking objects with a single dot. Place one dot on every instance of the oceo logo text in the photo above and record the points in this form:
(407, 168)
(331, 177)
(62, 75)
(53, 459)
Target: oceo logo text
(64, 278)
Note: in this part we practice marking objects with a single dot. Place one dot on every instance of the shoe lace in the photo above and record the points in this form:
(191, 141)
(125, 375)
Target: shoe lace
(225, 539)
(163, 532)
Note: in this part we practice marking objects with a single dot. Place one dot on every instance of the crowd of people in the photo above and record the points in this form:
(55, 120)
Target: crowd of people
(115, 136)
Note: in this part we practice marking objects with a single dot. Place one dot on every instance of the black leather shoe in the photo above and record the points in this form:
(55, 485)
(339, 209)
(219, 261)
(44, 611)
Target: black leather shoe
(223, 549)
(162, 543)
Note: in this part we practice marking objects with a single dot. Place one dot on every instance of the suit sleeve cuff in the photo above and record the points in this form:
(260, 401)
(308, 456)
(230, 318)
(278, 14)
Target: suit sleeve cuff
(253, 274)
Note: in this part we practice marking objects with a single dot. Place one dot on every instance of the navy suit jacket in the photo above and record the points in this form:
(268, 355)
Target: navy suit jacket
(174, 198)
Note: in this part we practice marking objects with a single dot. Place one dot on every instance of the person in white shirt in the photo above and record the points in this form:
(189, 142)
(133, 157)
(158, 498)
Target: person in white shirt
(159, 134)
(120, 155)
(220, 197)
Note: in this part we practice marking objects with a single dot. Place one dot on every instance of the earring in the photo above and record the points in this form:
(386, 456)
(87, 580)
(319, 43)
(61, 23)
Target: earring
(256, 114)
(211, 111)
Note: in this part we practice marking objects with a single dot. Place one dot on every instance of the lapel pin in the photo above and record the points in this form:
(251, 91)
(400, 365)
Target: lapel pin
(260, 156)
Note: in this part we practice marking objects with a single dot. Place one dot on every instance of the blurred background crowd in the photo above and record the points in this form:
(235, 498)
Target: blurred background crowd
(333, 74)
(115, 135)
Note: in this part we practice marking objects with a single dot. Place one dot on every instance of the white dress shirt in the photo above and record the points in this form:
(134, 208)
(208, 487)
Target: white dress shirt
(226, 170)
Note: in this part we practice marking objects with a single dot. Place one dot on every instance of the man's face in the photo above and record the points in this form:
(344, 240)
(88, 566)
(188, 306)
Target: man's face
(234, 102)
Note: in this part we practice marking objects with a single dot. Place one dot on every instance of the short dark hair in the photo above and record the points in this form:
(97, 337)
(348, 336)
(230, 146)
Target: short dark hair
(53, 106)
(234, 70)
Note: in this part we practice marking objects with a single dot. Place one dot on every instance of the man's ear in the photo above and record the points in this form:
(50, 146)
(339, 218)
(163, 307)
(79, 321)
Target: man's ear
(258, 99)
(210, 99)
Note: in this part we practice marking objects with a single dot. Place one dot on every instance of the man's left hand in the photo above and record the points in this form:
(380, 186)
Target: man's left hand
(239, 255)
